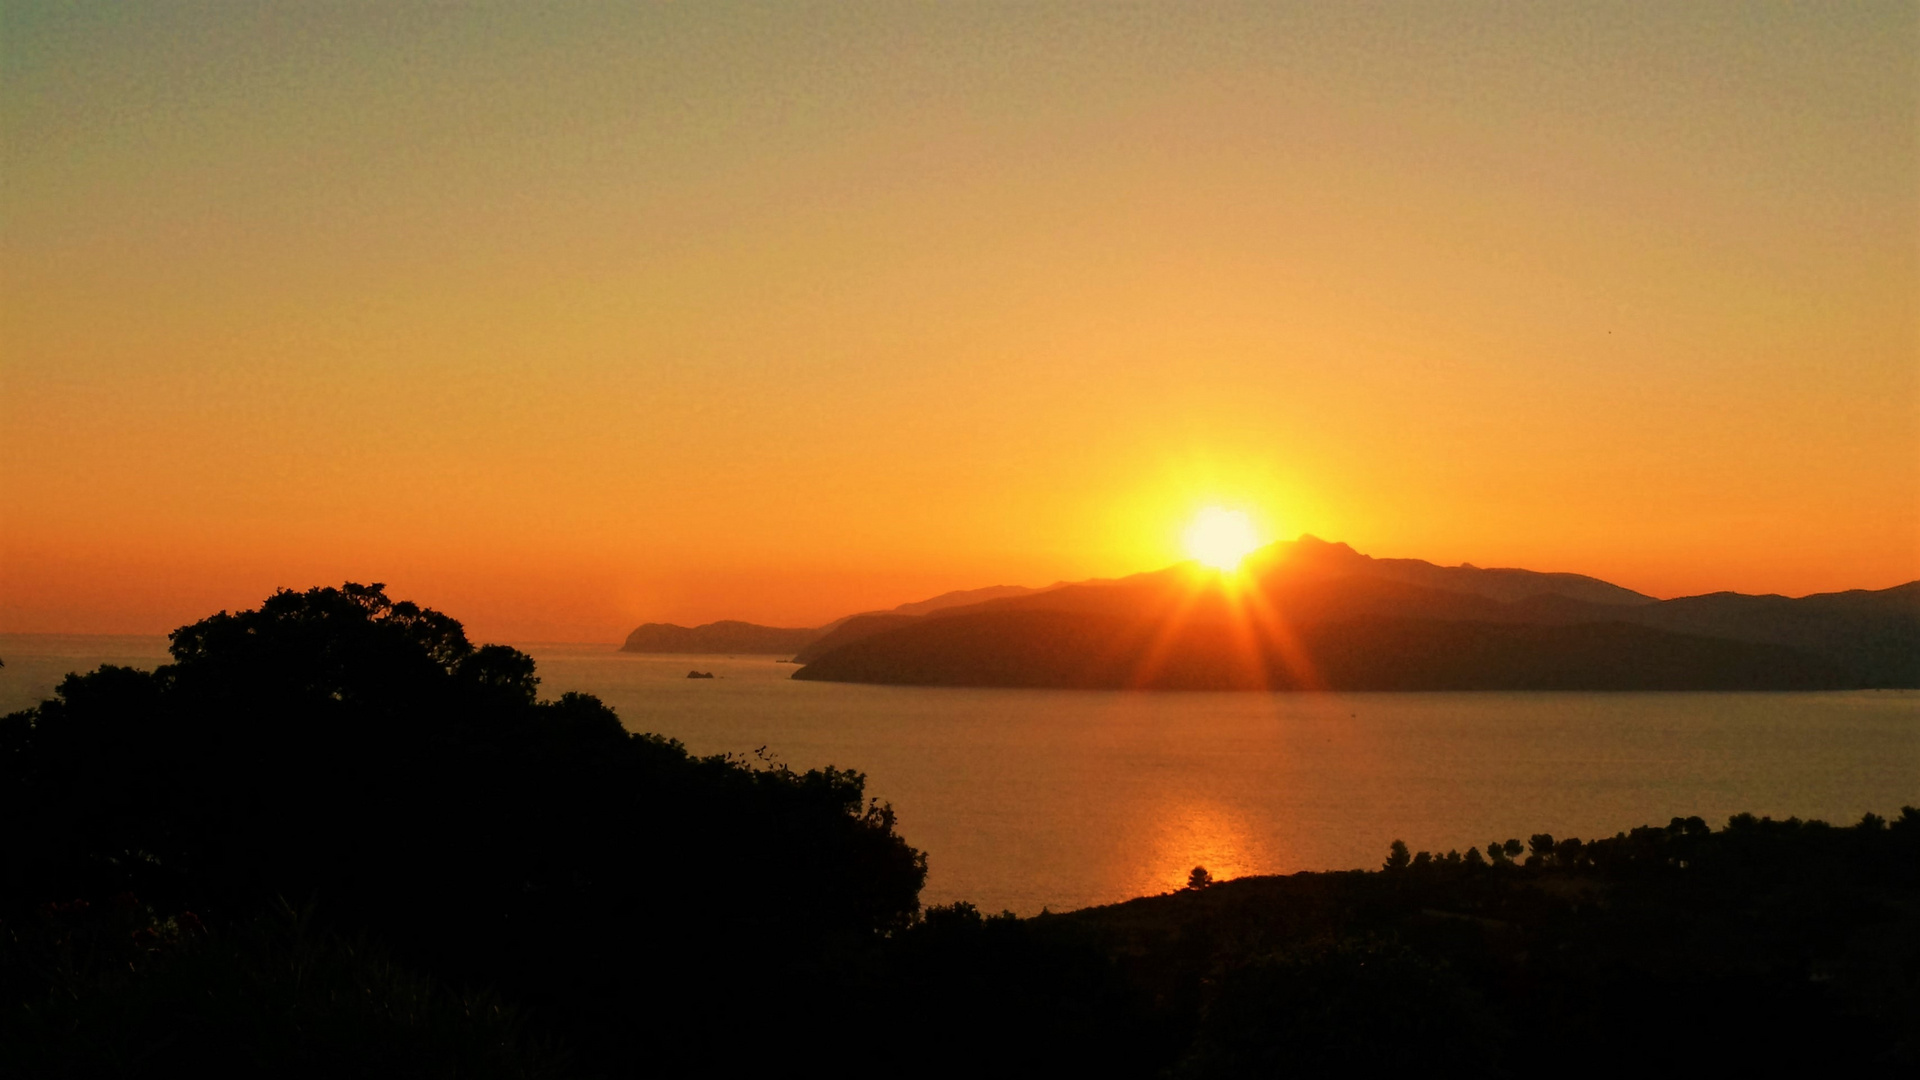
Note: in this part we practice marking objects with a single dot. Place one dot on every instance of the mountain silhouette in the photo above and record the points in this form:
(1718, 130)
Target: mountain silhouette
(850, 630)
(1311, 614)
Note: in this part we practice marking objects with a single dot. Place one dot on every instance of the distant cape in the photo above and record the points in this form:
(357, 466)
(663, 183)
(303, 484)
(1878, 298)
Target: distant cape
(733, 636)
(718, 637)
(1316, 615)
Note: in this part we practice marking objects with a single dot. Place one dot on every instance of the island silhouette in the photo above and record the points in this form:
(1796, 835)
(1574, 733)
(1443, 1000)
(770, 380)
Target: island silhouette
(734, 636)
(1309, 614)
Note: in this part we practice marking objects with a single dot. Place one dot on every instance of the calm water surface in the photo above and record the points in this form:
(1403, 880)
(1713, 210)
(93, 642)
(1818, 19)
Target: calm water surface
(1026, 799)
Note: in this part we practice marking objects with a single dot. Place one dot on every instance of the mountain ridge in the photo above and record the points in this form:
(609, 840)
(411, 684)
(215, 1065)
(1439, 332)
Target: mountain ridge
(1316, 614)
(1408, 615)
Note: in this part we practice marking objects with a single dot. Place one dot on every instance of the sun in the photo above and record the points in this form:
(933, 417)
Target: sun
(1220, 538)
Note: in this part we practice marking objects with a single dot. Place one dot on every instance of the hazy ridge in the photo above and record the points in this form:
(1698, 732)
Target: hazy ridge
(1320, 615)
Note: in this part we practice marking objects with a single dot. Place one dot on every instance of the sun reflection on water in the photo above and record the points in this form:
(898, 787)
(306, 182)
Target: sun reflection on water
(1187, 833)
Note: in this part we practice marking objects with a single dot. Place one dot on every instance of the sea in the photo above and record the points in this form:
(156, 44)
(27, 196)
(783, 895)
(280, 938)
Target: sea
(1031, 800)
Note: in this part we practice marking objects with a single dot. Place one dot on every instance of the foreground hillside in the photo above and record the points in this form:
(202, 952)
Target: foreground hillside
(1312, 615)
(1769, 947)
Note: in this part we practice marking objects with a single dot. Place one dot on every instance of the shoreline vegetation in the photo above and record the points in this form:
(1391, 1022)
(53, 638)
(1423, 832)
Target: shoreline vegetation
(333, 837)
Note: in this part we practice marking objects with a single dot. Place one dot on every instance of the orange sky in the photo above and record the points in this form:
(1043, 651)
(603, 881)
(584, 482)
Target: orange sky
(562, 320)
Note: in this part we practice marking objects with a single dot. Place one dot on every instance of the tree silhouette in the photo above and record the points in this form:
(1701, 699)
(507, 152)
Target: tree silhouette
(1540, 848)
(339, 748)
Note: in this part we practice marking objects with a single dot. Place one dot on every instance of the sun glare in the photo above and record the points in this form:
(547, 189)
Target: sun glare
(1221, 538)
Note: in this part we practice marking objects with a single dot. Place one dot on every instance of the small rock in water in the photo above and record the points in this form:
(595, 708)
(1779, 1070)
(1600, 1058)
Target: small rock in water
(699, 674)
